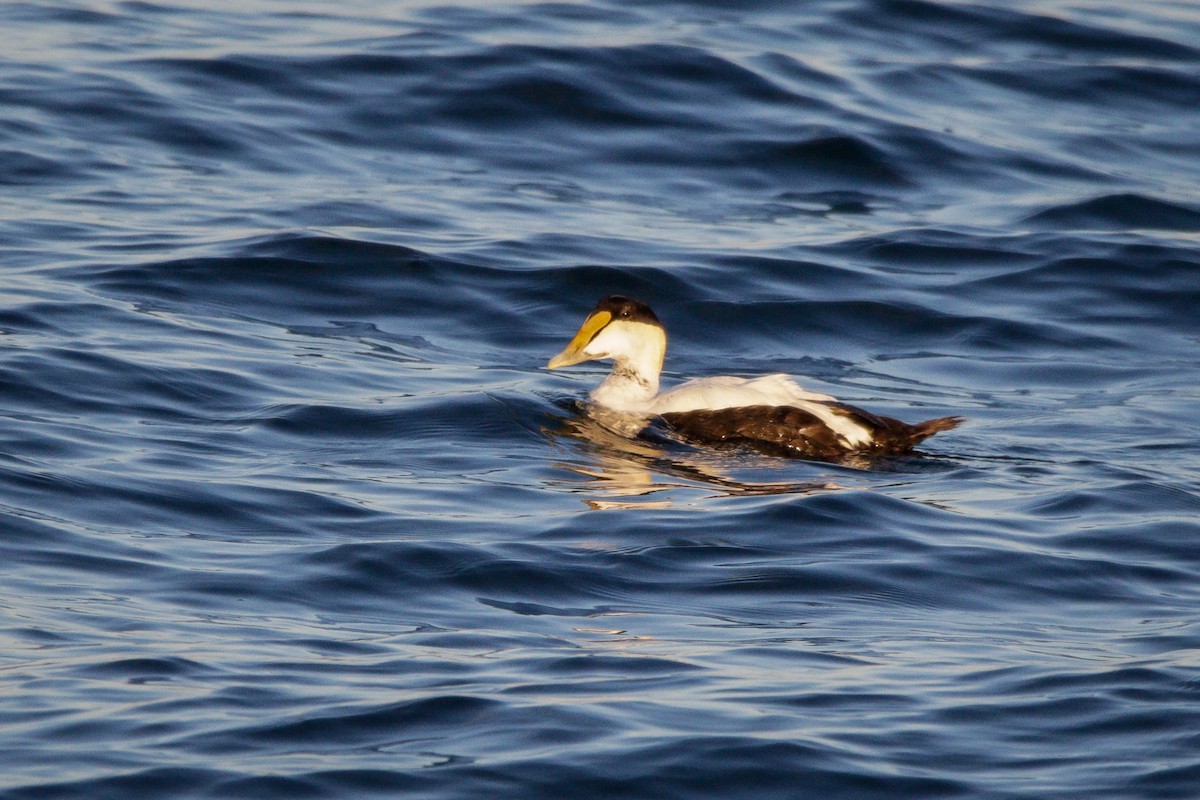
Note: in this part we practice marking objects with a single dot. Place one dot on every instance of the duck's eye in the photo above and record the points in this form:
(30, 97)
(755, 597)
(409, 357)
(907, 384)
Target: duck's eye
(624, 312)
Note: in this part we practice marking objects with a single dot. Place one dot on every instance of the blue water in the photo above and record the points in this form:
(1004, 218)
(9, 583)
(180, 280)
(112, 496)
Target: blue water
(290, 506)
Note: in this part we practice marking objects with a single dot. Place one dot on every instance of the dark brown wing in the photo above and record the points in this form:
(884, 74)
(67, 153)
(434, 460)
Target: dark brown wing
(775, 430)
(790, 431)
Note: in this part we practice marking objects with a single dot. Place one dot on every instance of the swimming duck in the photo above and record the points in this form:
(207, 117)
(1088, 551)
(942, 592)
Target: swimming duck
(770, 413)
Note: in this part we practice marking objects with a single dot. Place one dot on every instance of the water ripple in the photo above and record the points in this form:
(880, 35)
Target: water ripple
(294, 509)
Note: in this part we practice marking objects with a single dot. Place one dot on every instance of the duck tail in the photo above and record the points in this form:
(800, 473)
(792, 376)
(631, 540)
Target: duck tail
(923, 430)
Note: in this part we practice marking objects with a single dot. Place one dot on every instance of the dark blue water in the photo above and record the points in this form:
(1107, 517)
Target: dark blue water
(291, 508)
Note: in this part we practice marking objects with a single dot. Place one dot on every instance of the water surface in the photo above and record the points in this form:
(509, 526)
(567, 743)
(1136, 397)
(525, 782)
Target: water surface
(291, 507)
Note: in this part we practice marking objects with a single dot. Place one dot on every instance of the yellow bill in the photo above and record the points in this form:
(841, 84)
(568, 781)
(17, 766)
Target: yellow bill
(573, 353)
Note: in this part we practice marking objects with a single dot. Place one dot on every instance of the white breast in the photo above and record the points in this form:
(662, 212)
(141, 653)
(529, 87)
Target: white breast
(768, 390)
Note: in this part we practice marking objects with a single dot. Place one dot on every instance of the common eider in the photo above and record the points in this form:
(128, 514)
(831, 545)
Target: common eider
(771, 413)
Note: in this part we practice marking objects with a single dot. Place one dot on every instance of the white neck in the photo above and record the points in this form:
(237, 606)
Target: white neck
(633, 382)
(626, 389)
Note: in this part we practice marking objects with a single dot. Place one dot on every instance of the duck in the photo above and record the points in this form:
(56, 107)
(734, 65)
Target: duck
(771, 414)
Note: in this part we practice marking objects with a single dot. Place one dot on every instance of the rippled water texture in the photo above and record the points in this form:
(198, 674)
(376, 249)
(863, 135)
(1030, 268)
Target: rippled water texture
(291, 507)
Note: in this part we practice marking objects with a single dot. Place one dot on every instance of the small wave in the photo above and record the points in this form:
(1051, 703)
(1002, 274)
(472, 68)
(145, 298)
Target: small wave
(1120, 212)
(1003, 28)
(852, 160)
(19, 168)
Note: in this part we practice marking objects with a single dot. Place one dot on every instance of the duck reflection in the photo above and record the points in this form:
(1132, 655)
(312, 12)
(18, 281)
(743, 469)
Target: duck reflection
(627, 459)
